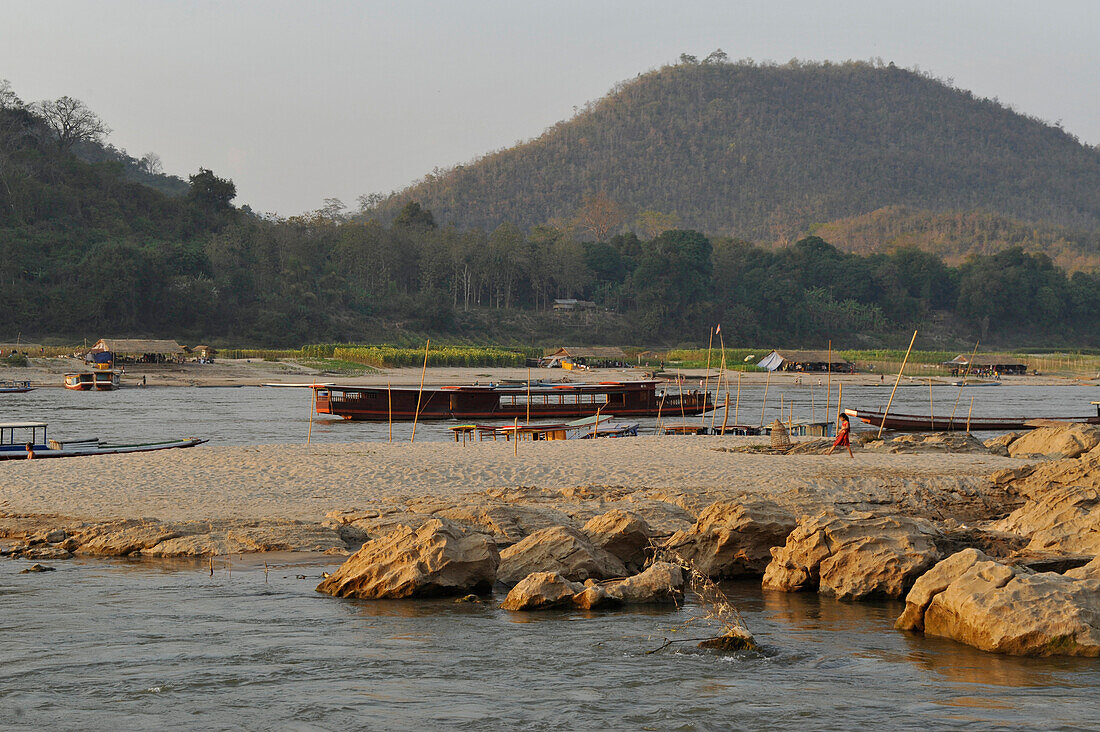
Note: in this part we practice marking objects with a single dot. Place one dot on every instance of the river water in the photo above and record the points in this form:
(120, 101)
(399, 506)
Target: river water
(263, 415)
(165, 645)
(142, 645)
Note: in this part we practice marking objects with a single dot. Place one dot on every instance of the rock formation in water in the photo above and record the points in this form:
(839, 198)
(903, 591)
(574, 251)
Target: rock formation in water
(559, 549)
(854, 556)
(973, 599)
(732, 539)
(438, 558)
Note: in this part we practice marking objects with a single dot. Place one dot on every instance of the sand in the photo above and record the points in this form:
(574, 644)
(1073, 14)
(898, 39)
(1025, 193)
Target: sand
(299, 482)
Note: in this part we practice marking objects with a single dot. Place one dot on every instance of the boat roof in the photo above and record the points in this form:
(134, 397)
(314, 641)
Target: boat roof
(519, 389)
(20, 425)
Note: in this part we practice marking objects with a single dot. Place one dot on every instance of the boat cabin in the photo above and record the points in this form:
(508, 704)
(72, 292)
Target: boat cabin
(32, 432)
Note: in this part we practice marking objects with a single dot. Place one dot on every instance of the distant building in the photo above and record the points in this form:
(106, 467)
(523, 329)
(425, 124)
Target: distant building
(585, 357)
(985, 364)
(570, 305)
(805, 361)
(141, 351)
(204, 353)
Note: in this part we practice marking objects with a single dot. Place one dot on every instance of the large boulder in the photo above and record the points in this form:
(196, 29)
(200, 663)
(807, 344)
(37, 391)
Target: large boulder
(995, 607)
(438, 558)
(1067, 441)
(854, 556)
(542, 591)
(732, 539)
(624, 534)
(1062, 520)
(121, 538)
(660, 582)
(559, 549)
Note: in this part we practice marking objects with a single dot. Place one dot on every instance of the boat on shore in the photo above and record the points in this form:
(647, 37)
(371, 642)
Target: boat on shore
(923, 423)
(14, 437)
(93, 381)
(404, 403)
(15, 387)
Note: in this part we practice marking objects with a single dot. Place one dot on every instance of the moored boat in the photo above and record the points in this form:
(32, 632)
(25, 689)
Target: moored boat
(14, 437)
(960, 423)
(15, 387)
(93, 381)
(624, 399)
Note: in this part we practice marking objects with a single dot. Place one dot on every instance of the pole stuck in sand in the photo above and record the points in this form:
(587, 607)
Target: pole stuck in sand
(951, 422)
(312, 409)
(767, 383)
(900, 372)
(389, 407)
(706, 381)
(829, 388)
(420, 391)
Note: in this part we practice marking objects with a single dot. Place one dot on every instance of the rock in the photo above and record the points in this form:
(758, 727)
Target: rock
(8, 547)
(541, 591)
(954, 442)
(1062, 520)
(558, 549)
(999, 445)
(1089, 571)
(853, 557)
(120, 538)
(661, 582)
(45, 551)
(438, 558)
(37, 568)
(734, 639)
(592, 597)
(1067, 441)
(625, 535)
(732, 539)
(983, 603)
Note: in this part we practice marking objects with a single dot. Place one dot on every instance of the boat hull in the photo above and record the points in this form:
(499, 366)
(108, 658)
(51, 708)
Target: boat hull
(628, 399)
(19, 452)
(921, 423)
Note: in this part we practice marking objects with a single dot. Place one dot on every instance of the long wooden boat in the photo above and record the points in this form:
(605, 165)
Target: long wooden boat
(93, 381)
(621, 398)
(15, 448)
(15, 387)
(922, 423)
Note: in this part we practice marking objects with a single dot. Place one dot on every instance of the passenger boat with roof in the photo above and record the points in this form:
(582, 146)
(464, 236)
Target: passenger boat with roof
(14, 437)
(93, 381)
(550, 401)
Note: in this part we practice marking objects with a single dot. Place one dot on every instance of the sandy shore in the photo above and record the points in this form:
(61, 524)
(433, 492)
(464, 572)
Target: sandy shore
(296, 482)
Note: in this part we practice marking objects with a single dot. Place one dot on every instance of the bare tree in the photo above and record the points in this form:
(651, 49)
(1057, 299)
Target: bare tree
(150, 163)
(599, 216)
(71, 122)
(8, 98)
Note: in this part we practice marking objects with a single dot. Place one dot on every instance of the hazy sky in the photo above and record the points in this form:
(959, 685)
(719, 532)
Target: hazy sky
(299, 101)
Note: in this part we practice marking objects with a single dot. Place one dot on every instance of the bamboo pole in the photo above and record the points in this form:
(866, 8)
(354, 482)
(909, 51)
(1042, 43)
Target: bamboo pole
(829, 388)
(767, 383)
(420, 391)
(680, 385)
(931, 405)
(706, 381)
(515, 437)
(389, 407)
(951, 423)
(528, 397)
(721, 375)
(894, 390)
(737, 406)
(839, 399)
(726, 415)
(813, 407)
(312, 409)
(969, 414)
(660, 406)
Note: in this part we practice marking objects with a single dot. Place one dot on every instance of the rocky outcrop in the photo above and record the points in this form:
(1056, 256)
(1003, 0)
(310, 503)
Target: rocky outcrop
(732, 539)
(923, 443)
(1062, 520)
(995, 607)
(558, 549)
(999, 445)
(854, 556)
(660, 583)
(1068, 441)
(542, 591)
(621, 533)
(122, 538)
(438, 558)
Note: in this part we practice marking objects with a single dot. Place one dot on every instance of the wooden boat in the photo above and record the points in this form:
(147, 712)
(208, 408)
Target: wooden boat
(624, 399)
(14, 437)
(93, 381)
(557, 431)
(15, 387)
(921, 423)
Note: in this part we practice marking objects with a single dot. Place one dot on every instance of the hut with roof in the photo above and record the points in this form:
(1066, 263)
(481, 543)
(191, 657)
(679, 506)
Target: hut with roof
(585, 357)
(805, 361)
(136, 350)
(985, 364)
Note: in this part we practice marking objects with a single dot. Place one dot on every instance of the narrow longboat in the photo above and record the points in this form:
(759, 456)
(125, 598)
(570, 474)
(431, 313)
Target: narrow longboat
(15, 387)
(403, 403)
(93, 381)
(960, 423)
(14, 437)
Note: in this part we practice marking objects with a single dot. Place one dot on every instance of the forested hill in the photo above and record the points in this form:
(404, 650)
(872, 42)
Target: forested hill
(762, 152)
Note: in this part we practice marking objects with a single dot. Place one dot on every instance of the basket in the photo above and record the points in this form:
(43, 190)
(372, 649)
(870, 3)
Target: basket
(780, 438)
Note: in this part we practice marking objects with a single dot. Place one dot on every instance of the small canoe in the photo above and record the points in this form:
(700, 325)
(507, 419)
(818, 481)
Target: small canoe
(922, 423)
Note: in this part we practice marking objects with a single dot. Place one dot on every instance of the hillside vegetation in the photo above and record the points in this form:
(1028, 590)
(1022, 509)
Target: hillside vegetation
(764, 152)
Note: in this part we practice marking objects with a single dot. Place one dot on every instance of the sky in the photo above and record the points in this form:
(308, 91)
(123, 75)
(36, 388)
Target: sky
(302, 101)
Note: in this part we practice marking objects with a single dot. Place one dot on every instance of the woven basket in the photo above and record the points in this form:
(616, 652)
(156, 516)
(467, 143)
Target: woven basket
(780, 438)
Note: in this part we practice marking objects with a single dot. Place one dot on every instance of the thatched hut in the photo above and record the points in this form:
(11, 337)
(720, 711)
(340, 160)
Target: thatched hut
(141, 350)
(586, 357)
